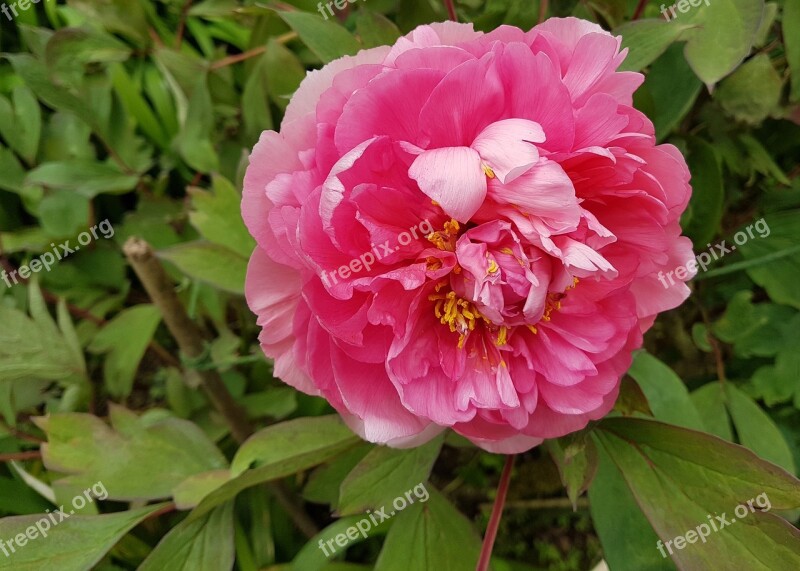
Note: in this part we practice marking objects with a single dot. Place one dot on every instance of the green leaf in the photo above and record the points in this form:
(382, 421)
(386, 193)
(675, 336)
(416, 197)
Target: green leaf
(279, 451)
(327, 39)
(194, 142)
(667, 395)
(384, 474)
(136, 458)
(256, 112)
(35, 349)
(209, 263)
(791, 38)
(205, 544)
(375, 29)
(324, 483)
(117, 16)
(69, 50)
(754, 329)
(627, 537)
(217, 216)
(756, 430)
(715, 50)
(13, 177)
(34, 73)
(76, 544)
(129, 94)
(21, 122)
(189, 493)
(63, 213)
(86, 177)
(292, 438)
(284, 72)
(312, 558)
(124, 340)
(576, 458)
(646, 40)
(776, 236)
(710, 403)
(680, 478)
(707, 202)
(753, 92)
(430, 536)
(674, 89)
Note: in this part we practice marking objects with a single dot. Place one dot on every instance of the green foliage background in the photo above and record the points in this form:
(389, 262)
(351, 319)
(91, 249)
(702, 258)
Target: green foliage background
(142, 113)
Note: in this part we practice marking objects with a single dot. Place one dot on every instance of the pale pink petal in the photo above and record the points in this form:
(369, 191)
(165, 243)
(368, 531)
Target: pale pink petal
(508, 147)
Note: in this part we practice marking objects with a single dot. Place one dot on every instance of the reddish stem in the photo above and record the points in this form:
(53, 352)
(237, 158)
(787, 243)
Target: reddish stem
(451, 10)
(497, 513)
(543, 8)
(19, 456)
(639, 9)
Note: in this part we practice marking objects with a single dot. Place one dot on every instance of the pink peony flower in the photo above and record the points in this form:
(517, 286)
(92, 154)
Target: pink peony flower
(517, 210)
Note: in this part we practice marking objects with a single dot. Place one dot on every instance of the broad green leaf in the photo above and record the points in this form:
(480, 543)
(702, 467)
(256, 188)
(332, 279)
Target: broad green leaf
(756, 430)
(575, 456)
(754, 329)
(292, 438)
(76, 544)
(628, 539)
(256, 112)
(189, 493)
(13, 177)
(327, 39)
(124, 341)
(680, 478)
(209, 263)
(707, 201)
(205, 544)
(136, 458)
(667, 395)
(34, 73)
(646, 40)
(710, 403)
(324, 483)
(35, 349)
(430, 536)
(780, 234)
(673, 87)
(284, 72)
(117, 16)
(69, 50)
(791, 38)
(64, 213)
(753, 92)
(21, 122)
(723, 36)
(375, 29)
(86, 177)
(761, 160)
(267, 473)
(781, 382)
(217, 216)
(194, 142)
(312, 558)
(384, 474)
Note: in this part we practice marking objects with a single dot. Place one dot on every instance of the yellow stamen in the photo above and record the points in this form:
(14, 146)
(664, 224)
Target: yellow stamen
(493, 267)
(488, 171)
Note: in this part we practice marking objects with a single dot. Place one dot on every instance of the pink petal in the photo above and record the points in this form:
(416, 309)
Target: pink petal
(507, 147)
(452, 177)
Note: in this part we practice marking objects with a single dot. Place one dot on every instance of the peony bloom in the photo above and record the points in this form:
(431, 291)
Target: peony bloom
(465, 230)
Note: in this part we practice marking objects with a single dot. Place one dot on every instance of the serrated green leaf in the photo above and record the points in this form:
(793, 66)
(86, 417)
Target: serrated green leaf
(76, 544)
(210, 263)
(136, 458)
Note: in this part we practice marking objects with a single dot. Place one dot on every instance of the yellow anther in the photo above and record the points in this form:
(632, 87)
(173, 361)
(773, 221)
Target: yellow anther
(493, 267)
(488, 171)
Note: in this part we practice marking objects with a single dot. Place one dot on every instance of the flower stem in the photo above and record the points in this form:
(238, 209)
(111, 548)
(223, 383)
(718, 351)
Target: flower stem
(497, 513)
